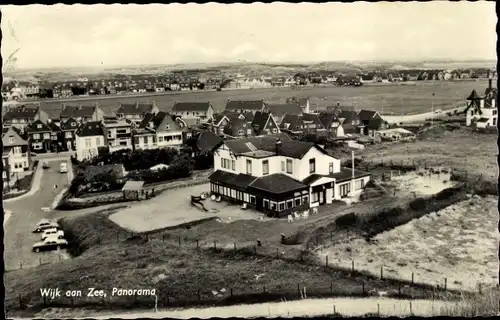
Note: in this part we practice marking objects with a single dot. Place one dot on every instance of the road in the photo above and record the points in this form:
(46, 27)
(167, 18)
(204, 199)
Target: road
(418, 117)
(26, 212)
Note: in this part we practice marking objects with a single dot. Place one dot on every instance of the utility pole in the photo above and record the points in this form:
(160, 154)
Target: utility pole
(432, 116)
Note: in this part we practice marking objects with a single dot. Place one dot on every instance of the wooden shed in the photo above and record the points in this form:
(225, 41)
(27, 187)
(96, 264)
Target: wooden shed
(132, 190)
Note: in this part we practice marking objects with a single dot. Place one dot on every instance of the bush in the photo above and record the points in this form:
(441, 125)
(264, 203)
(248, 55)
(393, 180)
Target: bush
(348, 220)
(137, 160)
(182, 169)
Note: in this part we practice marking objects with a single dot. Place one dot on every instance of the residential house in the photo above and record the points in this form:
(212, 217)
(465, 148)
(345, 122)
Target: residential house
(242, 106)
(227, 118)
(331, 123)
(395, 134)
(279, 176)
(28, 89)
(304, 103)
(39, 137)
(304, 123)
(68, 129)
(200, 112)
(351, 122)
(139, 88)
(6, 169)
(118, 134)
(482, 111)
(159, 87)
(263, 123)
(374, 125)
(365, 116)
(136, 111)
(205, 141)
(89, 138)
(279, 110)
(167, 132)
(61, 90)
(81, 113)
(15, 150)
(21, 116)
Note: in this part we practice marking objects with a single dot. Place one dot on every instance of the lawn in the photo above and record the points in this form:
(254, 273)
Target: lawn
(391, 98)
(459, 242)
(182, 275)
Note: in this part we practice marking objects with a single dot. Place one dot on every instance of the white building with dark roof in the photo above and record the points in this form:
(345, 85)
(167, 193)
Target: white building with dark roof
(136, 111)
(278, 175)
(16, 150)
(201, 112)
(81, 113)
(482, 111)
(89, 137)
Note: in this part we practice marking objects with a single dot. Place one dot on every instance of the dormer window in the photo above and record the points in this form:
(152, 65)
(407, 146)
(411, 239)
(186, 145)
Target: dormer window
(11, 139)
(39, 126)
(73, 124)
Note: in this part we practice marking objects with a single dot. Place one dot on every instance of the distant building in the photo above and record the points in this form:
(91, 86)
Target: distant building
(15, 150)
(89, 137)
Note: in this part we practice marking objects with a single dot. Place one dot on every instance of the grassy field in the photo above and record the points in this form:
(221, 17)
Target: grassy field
(390, 98)
(182, 275)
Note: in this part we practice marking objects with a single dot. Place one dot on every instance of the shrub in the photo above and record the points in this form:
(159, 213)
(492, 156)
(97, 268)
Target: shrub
(137, 160)
(418, 204)
(348, 220)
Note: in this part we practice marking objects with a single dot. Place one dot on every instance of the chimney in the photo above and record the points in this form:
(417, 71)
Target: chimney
(278, 146)
(489, 83)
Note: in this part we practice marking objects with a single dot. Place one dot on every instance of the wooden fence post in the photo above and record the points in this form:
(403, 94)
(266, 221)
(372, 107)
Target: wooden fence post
(277, 253)
(197, 243)
(378, 309)
(412, 278)
(352, 266)
(331, 236)
(411, 309)
(381, 272)
(363, 284)
(255, 250)
(264, 288)
(231, 291)
(179, 241)
(445, 283)
(331, 286)
(326, 261)
(215, 245)
(40, 260)
(298, 288)
(235, 247)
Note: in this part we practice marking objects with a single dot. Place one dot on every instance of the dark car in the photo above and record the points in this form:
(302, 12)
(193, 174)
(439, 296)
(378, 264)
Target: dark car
(50, 244)
(45, 165)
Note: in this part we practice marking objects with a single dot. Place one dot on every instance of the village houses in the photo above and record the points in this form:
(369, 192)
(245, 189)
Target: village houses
(242, 106)
(44, 137)
(81, 113)
(482, 111)
(136, 111)
(278, 175)
(160, 130)
(21, 116)
(118, 134)
(68, 129)
(89, 138)
(15, 150)
(194, 112)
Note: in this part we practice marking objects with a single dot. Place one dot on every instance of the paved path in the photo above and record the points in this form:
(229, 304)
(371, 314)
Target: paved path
(418, 117)
(26, 212)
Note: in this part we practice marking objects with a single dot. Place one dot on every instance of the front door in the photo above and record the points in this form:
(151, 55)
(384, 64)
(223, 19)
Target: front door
(68, 145)
(322, 197)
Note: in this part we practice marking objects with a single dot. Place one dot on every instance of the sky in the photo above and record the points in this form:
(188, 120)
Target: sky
(114, 35)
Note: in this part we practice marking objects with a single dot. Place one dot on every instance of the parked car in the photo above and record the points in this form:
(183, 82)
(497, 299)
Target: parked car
(45, 165)
(45, 224)
(52, 232)
(63, 168)
(438, 111)
(50, 244)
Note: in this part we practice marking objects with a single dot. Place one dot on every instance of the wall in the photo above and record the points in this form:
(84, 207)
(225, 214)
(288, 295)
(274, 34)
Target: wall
(161, 138)
(82, 150)
(336, 194)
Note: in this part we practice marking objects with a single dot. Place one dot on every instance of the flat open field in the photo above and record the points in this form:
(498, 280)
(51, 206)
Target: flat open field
(404, 98)
(459, 242)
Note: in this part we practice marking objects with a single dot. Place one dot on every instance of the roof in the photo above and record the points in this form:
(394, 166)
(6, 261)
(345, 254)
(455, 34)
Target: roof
(207, 141)
(345, 174)
(191, 106)
(92, 128)
(366, 115)
(277, 183)
(255, 105)
(312, 178)
(38, 126)
(348, 115)
(473, 96)
(376, 123)
(162, 121)
(67, 125)
(241, 180)
(53, 126)
(21, 112)
(483, 120)
(13, 133)
(280, 109)
(259, 121)
(327, 118)
(133, 185)
(117, 123)
(77, 111)
(289, 148)
(135, 108)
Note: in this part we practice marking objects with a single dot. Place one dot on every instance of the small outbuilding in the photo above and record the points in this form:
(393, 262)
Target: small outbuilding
(132, 190)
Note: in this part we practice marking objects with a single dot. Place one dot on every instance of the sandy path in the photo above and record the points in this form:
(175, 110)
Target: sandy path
(459, 243)
(309, 307)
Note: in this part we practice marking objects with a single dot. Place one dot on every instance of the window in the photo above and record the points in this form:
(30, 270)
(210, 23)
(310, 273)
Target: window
(249, 166)
(39, 126)
(68, 134)
(312, 165)
(17, 150)
(314, 197)
(160, 139)
(330, 167)
(233, 165)
(87, 143)
(282, 206)
(240, 132)
(495, 121)
(46, 136)
(98, 141)
(305, 199)
(273, 205)
(11, 139)
(266, 203)
(345, 189)
(265, 167)
(495, 112)
(289, 204)
(289, 167)
(275, 130)
(298, 202)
